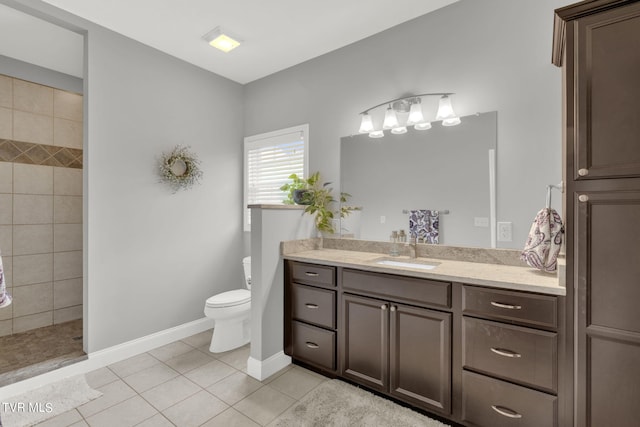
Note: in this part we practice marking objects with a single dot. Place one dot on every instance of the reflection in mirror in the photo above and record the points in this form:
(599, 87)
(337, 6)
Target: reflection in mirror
(444, 168)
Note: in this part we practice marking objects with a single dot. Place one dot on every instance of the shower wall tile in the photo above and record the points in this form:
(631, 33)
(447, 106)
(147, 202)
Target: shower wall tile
(6, 123)
(6, 209)
(67, 133)
(31, 209)
(67, 293)
(32, 269)
(67, 182)
(6, 241)
(6, 177)
(67, 105)
(32, 299)
(33, 321)
(67, 265)
(32, 179)
(32, 239)
(6, 327)
(30, 127)
(67, 314)
(32, 97)
(67, 209)
(6, 92)
(67, 237)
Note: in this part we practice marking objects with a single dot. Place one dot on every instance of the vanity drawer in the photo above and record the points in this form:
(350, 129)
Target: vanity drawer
(490, 402)
(523, 355)
(312, 274)
(513, 306)
(410, 290)
(314, 345)
(314, 305)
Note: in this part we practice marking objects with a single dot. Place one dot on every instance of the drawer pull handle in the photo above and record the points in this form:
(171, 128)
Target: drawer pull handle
(311, 274)
(506, 412)
(507, 306)
(312, 306)
(312, 344)
(505, 353)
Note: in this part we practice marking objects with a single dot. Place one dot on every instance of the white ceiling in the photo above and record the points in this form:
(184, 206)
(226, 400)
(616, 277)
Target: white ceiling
(277, 34)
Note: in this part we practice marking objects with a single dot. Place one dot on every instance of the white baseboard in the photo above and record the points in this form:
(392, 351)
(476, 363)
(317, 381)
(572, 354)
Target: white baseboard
(262, 369)
(108, 356)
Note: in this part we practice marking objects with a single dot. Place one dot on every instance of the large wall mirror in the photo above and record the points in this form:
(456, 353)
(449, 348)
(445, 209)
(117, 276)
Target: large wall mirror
(448, 169)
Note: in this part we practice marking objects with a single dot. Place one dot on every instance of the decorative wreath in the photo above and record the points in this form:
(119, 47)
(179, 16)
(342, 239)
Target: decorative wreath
(179, 168)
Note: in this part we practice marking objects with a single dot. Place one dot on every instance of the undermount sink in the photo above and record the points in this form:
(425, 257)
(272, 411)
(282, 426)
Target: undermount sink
(407, 264)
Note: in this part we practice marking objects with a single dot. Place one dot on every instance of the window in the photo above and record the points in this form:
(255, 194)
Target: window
(269, 159)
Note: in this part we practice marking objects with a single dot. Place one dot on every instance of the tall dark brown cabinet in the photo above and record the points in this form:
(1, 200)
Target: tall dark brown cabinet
(598, 45)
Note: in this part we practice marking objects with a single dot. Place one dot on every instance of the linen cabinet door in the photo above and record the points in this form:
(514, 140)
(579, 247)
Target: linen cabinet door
(364, 341)
(608, 321)
(420, 357)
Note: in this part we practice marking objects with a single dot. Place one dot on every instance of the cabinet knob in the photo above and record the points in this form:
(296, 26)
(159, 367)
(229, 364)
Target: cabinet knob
(383, 307)
(583, 172)
(583, 198)
(393, 308)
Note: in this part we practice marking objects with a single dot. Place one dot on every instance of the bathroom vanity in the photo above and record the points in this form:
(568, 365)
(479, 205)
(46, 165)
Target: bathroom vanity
(472, 342)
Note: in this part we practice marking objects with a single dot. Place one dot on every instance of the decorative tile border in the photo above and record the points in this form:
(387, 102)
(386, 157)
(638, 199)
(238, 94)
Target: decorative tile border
(39, 154)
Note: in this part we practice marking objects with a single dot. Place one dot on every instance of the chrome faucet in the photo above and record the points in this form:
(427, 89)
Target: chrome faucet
(411, 245)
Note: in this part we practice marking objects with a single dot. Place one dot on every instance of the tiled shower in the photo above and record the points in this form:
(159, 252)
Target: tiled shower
(40, 204)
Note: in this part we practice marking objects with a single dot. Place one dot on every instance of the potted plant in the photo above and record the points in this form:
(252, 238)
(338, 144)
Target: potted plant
(318, 199)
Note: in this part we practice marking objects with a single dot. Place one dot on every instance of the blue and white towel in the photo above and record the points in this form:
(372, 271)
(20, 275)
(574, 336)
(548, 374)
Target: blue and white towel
(424, 225)
(5, 298)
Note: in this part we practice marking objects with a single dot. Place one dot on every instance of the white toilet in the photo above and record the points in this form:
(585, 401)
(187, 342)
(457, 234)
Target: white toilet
(231, 312)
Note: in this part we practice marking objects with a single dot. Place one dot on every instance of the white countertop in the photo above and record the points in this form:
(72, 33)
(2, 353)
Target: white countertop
(491, 275)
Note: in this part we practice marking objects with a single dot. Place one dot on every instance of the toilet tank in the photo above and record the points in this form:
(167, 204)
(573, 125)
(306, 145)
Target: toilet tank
(246, 264)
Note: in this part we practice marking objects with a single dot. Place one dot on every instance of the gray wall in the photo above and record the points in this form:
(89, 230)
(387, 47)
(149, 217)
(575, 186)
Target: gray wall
(152, 257)
(496, 56)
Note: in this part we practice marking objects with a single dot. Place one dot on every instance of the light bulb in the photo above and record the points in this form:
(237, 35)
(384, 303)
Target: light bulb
(366, 125)
(390, 119)
(415, 115)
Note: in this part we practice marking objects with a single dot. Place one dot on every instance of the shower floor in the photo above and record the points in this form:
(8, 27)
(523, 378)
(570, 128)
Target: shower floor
(41, 350)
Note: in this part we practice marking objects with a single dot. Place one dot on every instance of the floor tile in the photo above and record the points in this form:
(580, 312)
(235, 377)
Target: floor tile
(296, 383)
(210, 373)
(112, 394)
(157, 420)
(199, 340)
(195, 410)
(133, 364)
(234, 388)
(100, 377)
(150, 377)
(277, 374)
(63, 420)
(230, 418)
(264, 405)
(125, 414)
(168, 351)
(236, 358)
(189, 361)
(170, 392)
(80, 424)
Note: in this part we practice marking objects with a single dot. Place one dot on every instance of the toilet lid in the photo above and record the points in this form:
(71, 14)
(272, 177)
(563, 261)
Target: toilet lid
(230, 298)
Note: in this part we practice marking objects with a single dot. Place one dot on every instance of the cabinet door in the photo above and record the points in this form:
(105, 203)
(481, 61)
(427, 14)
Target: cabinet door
(607, 87)
(364, 341)
(420, 357)
(607, 250)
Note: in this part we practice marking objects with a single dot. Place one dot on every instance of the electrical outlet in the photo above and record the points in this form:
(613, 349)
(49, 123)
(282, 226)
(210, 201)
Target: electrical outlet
(383, 219)
(505, 232)
(481, 222)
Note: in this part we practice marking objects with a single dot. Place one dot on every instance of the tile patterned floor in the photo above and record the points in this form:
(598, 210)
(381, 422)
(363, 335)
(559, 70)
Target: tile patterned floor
(183, 384)
(34, 352)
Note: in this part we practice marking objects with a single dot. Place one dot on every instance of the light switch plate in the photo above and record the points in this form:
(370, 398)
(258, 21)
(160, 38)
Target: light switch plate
(505, 231)
(481, 221)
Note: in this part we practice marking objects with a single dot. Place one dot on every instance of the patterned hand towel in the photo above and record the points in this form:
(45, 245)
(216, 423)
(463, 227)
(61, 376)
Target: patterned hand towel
(423, 225)
(5, 298)
(544, 241)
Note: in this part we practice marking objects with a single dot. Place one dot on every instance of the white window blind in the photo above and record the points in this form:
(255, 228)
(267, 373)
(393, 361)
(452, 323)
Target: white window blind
(269, 160)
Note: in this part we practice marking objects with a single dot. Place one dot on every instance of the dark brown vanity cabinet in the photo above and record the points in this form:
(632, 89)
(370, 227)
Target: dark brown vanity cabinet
(509, 358)
(310, 314)
(399, 349)
(598, 45)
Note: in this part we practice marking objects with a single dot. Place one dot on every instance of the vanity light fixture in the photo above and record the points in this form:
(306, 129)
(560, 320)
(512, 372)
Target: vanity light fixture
(222, 40)
(407, 111)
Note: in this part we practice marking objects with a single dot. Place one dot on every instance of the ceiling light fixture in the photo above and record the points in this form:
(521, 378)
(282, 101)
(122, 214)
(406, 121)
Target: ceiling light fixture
(409, 107)
(222, 40)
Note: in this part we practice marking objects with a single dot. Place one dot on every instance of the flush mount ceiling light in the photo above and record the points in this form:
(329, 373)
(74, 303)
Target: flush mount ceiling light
(222, 40)
(407, 111)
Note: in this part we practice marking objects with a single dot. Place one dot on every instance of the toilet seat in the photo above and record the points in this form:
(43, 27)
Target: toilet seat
(229, 298)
